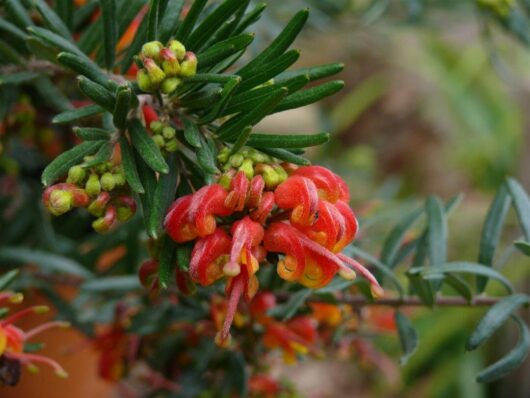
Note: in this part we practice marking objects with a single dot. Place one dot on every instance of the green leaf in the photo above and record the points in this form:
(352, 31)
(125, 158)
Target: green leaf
(228, 91)
(267, 71)
(287, 140)
(97, 93)
(310, 96)
(210, 78)
(44, 260)
(166, 261)
(491, 232)
(55, 40)
(521, 202)
(241, 140)
(436, 234)
(163, 196)
(76, 114)
(146, 147)
(52, 20)
(148, 180)
(249, 18)
(289, 309)
(191, 133)
(18, 78)
(102, 155)
(512, 360)
(523, 247)
(92, 133)
(129, 166)
(18, 13)
(85, 67)
(211, 24)
(121, 110)
(286, 155)
(464, 267)
(110, 31)
(394, 239)
(408, 337)
(65, 11)
(8, 27)
(154, 16)
(184, 256)
(189, 22)
(7, 279)
(170, 20)
(494, 318)
(206, 157)
(460, 286)
(222, 50)
(279, 45)
(61, 164)
(234, 126)
(314, 73)
(49, 92)
(112, 284)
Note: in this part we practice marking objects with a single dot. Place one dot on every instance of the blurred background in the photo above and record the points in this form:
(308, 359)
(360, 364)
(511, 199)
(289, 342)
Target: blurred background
(436, 101)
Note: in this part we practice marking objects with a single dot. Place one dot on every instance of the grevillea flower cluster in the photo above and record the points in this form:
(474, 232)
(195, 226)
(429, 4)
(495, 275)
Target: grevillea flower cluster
(263, 207)
(13, 339)
(100, 188)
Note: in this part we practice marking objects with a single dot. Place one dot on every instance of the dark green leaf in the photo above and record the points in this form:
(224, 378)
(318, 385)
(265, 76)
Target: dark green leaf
(8, 27)
(148, 180)
(460, 286)
(524, 247)
(309, 96)
(187, 25)
(287, 140)
(129, 166)
(249, 18)
(18, 13)
(65, 11)
(61, 164)
(44, 260)
(52, 20)
(102, 155)
(18, 78)
(146, 147)
(210, 78)
(184, 256)
(289, 309)
(163, 196)
(286, 155)
(313, 73)
(92, 134)
(110, 31)
(112, 284)
(407, 336)
(228, 90)
(191, 133)
(7, 279)
(84, 66)
(170, 20)
(76, 114)
(223, 49)
(154, 16)
(55, 40)
(241, 140)
(512, 360)
(166, 261)
(123, 104)
(521, 203)
(494, 318)
(49, 92)
(279, 45)
(491, 231)
(206, 157)
(97, 93)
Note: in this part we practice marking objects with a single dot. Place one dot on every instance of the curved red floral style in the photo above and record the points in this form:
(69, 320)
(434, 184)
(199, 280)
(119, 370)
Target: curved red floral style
(301, 214)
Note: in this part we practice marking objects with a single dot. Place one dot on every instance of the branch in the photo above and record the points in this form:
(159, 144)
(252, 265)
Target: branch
(411, 301)
(32, 65)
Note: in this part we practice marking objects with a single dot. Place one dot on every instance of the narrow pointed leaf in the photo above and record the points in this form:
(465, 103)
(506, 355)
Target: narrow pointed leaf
(187, 25)
(521, 202)
(76, 114)
(129, 166)
(241, 140)
(191, 133)
(52, 20)
(250, 17)
(110, 31)
(313, 73)
(8, 278)
(408, 337)
(92, 133)
(289, 309)
(84, 66)
(146, 147)
(65, 11)
(460, 286)
(163, 196)
(18, 13)
(166, 261)
(287, 140)
(310, 96)
(170, 20)
(228, 91)
(288, 156)
(112, 284)
(97, 93)
(121, 110)
(222, 50)
(523, 247)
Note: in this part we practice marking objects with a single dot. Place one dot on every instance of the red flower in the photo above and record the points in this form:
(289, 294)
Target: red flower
(208, 257)
(193, 215)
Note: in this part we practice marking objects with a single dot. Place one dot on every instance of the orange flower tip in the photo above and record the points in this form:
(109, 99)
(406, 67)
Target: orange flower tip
(231, 269)
(223, 342)
(41, 309)
(16, 298)
(33, 369)
(61, 373)
(377, 291)
(347, 273)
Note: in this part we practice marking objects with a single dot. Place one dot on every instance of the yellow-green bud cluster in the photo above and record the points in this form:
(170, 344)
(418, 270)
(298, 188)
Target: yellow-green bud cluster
(251, 162)
(165, 67)
(164, 136)
(500, 7)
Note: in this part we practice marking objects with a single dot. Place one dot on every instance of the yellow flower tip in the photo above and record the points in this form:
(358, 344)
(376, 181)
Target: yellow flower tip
(41, 309)
(33, 369)
(231, 269)
(223, 342)
(61, 373)
(64, 324)
(347, 273)
(16, 298)
(377, 291)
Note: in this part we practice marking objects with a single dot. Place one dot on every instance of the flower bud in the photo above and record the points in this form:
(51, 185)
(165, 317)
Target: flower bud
(222, 157)
(156, 126)
(144, 82)
(119, 178)
(159, 141)
(60, 202)
(156, 75)
(168, 132)
(236, 160)
(270, 176)
(178, 49)
(247, 167)
(170, 64)
(126, 208)
(258, 157)
(76, 175)
(282, 174)
(169, 85)
(93, 186)
(108, 183)
(152, 50)
(188, 67)
(98, 205)
(105, 223)
(226, 179)
(172, 145)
